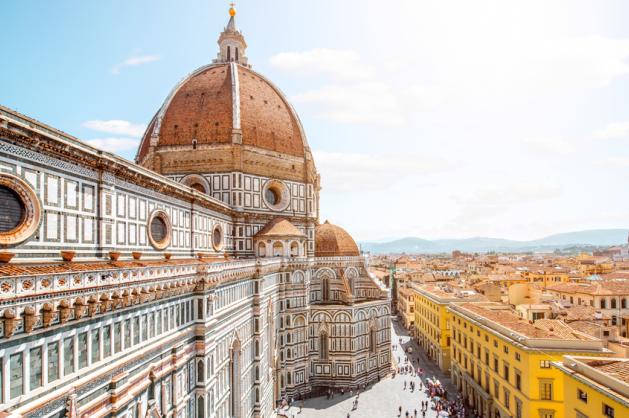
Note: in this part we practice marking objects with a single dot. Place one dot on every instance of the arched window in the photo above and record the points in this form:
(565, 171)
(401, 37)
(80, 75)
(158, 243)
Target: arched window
(623, 303)
(294, 249)
(200, 407)
(372, 339)
(234, 380)
(200, 372)
(603, 304)
(229, 53)
(323, 345)
(278, 249)
(325, 289)
(613, 303)
(261, 249)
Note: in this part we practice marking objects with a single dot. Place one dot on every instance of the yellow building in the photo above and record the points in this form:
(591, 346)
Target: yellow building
(406, 306)
(595, 387)
(588, 264)
(432, 318)
(502, 363)
(547, 277)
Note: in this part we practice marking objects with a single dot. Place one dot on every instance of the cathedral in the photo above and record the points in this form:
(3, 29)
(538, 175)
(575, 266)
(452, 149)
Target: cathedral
(197, 281)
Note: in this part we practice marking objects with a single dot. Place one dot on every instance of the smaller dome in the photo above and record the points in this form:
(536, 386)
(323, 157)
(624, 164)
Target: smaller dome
(334, 241)
(279, 227)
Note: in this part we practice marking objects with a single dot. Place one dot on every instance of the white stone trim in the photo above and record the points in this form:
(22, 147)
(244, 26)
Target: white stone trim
(235, 96)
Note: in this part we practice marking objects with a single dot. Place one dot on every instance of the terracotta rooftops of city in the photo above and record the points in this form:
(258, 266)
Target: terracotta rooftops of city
(616, 368)
(581, 312)
(450, 292)
(601, 288)
(501, 315)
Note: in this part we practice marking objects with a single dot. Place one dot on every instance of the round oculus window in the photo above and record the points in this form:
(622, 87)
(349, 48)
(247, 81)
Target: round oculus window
(159, 229)
(12, 209)
(272, 196)
(276, 195)
(217, 238)
(20, 210)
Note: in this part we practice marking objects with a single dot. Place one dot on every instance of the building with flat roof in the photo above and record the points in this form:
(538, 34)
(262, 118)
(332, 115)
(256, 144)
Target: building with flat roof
(502, 363)
(595, 386)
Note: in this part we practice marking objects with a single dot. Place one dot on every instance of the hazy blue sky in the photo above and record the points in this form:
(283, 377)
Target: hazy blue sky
(427, 118)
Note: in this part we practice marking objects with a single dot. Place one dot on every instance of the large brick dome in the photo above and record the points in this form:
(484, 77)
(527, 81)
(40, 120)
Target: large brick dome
(333, 241)
(216, 106)
(203, 108)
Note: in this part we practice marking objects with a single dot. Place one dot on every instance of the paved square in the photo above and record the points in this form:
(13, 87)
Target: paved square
(385, 397)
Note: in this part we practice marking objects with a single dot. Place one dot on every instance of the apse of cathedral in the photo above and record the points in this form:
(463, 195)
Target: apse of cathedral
(195, 282)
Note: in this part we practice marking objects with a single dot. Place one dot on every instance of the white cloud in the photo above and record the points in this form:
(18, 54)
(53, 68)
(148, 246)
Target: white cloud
(353, 92)
(367, 102)
(115, 144)
(338, 64)
(134, 62)
(117, 127)
(355, 172)
(510, 194)
(615, 162)
(549, 145)
(618, 130)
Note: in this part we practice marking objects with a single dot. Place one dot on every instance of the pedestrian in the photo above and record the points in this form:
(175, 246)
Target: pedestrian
(415, 413)
(400, 411)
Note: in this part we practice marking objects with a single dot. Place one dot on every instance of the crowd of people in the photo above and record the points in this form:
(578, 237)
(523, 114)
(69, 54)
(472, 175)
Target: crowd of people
(431, 394)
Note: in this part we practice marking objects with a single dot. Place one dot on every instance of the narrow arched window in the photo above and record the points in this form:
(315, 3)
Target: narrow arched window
(229, 53)
(325, 289)
(323, 346)
(372, 340)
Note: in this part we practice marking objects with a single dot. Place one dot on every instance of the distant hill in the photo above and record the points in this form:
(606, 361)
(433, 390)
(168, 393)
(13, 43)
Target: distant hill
(588, 238)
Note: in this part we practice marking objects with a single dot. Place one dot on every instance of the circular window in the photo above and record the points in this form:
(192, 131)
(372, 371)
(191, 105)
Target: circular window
(272, 196)
(217, 238)
(12, 209)
(159, 229)
(198, 187)
(276, 195)
(20, 210)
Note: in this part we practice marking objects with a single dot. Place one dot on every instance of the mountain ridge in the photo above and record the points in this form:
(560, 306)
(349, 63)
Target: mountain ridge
(588, 237)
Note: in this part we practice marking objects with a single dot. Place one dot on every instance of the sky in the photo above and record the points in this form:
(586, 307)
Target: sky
(436, 119)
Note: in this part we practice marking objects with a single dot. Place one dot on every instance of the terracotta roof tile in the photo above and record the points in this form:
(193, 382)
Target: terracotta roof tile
(618, 369)
(334, 241)
(279, 227)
